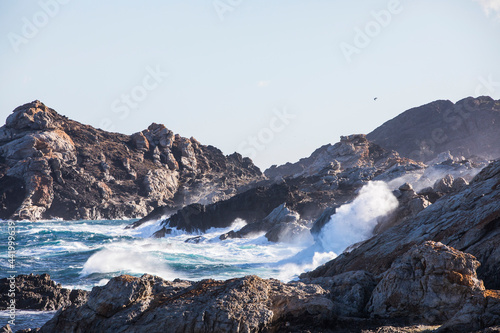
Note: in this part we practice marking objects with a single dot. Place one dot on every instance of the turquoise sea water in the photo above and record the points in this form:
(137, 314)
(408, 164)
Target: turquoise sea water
(84, 254)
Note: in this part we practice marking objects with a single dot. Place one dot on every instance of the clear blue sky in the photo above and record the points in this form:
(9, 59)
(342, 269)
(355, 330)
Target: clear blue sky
(234, 64)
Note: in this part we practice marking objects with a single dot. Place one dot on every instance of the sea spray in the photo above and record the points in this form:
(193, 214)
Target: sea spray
(354, 222)
(423, 178)
(119, 261)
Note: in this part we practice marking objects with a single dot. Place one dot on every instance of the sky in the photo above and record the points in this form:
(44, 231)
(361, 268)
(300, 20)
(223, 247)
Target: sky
(272, 80)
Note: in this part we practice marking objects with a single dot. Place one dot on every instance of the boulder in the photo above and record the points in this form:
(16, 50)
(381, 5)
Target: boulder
(444, 185)
(322, 220)
(140, 142)
(427, 285)
(282, 224)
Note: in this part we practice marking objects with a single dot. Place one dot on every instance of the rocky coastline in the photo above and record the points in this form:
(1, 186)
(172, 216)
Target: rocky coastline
(431, 287)
(431, 265)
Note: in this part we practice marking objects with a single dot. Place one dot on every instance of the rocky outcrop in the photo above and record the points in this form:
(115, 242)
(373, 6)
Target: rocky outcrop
(467, 128)
(54, 167)
(150, 304)
(431, 284)
(436, 284)
(281, 225)
(468, 220)
(285, 226)
(353, 152)
(39, 292)
(251, 206)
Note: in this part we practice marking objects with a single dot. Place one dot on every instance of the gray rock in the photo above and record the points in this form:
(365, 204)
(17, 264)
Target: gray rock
(467, 128)
(349, 292)
(444, 185)
(467, 220)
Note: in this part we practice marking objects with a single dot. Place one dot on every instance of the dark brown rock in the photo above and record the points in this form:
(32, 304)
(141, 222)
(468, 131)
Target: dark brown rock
(39, 292)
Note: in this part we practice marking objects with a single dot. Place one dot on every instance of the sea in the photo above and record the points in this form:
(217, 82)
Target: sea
(85, 254)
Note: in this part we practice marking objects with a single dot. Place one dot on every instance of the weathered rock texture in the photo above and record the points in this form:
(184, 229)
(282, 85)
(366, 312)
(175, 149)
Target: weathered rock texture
(468, 220)
(430, 284)
(39, 292)
(467, 128)
(150, 304)
(54, 167)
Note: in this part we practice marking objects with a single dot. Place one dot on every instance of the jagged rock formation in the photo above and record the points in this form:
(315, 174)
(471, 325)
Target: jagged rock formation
(39, 292)
(51, 166)
(430, 284)
(353, 152)
(308, 195)
(467, 128)
(468, 220)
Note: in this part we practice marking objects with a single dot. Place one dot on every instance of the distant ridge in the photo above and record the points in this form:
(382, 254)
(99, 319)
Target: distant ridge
(470, 127)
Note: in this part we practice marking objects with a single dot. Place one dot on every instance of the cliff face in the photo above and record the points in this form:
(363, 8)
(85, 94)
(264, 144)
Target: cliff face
(467, 128)
(54, 167)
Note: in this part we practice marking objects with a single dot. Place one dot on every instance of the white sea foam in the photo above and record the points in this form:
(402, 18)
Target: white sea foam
(290, 271)
(60, 247)
(122, 261)
(106, 249)
(354, 222)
